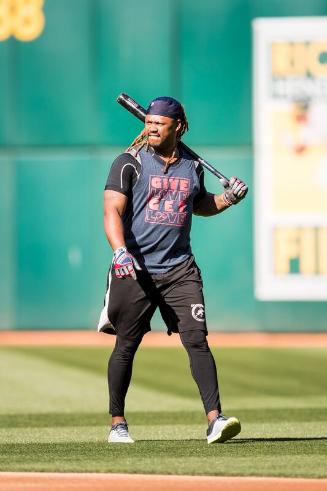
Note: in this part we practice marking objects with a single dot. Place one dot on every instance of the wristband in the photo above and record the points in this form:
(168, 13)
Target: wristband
(119, 250)
(226, 200)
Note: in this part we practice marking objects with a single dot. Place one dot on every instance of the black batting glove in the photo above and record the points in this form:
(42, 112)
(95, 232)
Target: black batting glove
(235, 192)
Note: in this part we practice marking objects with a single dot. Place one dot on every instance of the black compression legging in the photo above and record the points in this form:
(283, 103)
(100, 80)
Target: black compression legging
(202, 364)
(120, 372)
(203, 368)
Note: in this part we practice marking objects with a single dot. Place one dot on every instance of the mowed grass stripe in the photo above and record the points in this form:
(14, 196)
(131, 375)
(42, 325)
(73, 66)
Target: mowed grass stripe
(184, 457)
(184, 448)
(242, 370)
(251, 432)
(267, 415)
(33, 384)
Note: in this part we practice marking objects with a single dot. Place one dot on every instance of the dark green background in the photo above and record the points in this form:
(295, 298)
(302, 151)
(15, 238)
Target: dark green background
(60, 128)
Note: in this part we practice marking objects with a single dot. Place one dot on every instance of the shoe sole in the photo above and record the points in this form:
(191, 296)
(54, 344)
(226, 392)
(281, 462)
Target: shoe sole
(120, 441)
(231, 429)
(114, 439)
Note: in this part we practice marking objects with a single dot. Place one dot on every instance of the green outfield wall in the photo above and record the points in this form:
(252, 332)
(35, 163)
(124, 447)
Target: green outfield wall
(60, 129)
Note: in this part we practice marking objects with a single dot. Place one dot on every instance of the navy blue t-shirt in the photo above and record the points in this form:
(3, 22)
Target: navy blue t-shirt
(158, 216)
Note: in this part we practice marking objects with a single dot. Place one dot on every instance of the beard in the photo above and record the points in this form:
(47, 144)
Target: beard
(154, 141)
(162, 146)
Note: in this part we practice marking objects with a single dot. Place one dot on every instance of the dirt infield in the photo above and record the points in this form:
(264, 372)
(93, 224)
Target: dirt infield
(35, 481)
(152, 339)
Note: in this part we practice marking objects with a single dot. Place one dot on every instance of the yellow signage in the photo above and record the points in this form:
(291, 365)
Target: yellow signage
(304, 246)
(306, 58)
(22, 19)
(290, 92)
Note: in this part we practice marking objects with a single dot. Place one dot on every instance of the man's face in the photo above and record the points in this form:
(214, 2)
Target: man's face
(161, 131)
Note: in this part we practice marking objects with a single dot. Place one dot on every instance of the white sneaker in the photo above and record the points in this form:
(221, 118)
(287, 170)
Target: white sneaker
(119, 434)
(222, 428)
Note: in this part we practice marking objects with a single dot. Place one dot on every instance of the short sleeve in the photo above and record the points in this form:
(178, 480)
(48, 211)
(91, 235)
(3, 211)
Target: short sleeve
(123, 174)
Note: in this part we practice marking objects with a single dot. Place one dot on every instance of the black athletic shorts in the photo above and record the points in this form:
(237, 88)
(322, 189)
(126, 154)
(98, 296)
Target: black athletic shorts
(130, 304)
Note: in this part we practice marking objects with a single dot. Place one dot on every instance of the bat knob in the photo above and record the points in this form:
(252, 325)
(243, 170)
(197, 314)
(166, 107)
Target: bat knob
(121, 97)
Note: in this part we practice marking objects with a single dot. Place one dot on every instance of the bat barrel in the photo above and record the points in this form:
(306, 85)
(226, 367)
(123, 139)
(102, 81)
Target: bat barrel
(132, 106)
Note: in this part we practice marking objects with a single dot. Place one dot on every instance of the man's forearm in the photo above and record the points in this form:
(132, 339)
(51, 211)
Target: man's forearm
(114, 230)
(210, 205)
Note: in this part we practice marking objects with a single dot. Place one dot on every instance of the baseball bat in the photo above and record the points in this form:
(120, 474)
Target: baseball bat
(133, 107)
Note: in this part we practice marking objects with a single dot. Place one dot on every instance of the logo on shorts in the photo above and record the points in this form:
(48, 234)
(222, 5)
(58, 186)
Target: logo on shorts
(198, 312)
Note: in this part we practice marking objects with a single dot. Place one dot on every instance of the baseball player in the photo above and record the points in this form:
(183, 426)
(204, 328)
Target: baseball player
(150, 195)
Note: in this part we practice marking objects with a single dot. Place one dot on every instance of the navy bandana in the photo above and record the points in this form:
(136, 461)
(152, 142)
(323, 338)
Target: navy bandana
(166, 106)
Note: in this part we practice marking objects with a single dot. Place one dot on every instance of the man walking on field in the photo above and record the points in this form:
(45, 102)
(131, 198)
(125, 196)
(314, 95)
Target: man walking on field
(151, 192)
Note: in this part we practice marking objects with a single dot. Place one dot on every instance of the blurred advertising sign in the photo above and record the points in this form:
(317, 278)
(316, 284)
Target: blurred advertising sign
(290, 134)
(22, 19)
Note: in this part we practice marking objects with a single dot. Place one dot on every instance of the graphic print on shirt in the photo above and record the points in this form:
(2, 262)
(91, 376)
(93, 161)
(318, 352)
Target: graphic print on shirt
(167, 200)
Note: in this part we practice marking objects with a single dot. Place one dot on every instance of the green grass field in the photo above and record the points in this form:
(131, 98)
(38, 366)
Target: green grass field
(53, 416)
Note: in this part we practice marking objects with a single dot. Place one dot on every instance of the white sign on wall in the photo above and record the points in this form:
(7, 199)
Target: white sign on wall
(290, 138)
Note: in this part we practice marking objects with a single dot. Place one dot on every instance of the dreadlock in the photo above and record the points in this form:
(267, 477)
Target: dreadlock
(142, 139)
